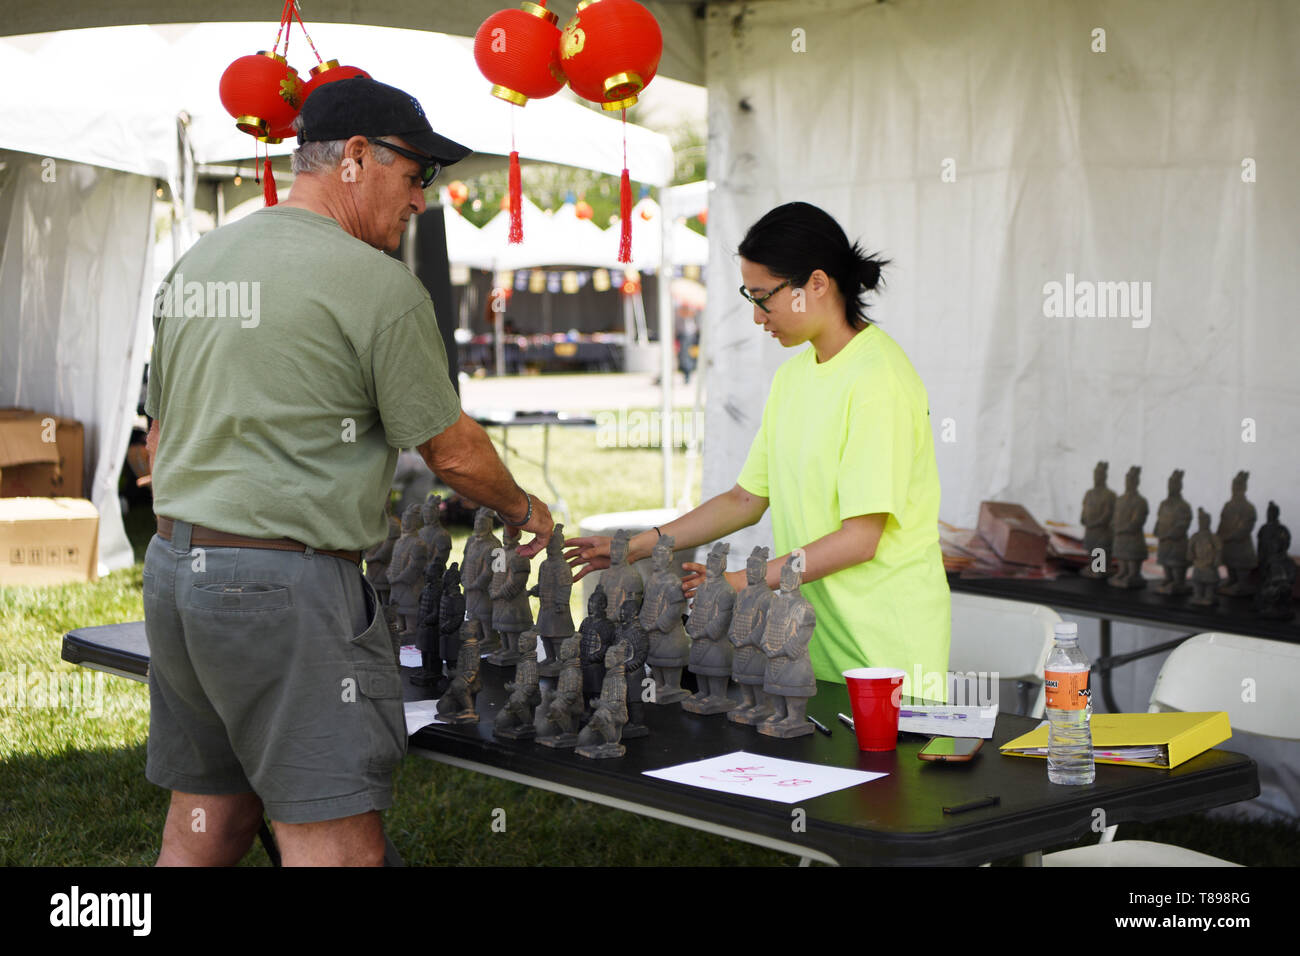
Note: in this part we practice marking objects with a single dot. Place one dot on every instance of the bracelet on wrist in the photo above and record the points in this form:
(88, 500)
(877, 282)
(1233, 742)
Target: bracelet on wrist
(528, 516)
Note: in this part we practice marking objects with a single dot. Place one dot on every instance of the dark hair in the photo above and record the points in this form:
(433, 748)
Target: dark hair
(794, 240)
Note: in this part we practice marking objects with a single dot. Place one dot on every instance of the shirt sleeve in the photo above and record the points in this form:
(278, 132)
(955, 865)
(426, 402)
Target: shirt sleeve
(876, 463)
(753, 475)
(411, 384)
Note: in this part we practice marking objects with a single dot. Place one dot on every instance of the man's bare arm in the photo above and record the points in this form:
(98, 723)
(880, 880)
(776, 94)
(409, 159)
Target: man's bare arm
(464, 457)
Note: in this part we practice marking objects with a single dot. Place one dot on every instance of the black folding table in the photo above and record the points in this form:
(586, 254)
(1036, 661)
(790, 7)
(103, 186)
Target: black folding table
(896, 820)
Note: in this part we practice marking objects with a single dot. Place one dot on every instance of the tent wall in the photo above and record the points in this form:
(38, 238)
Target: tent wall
(1125, 165)
(74, 310)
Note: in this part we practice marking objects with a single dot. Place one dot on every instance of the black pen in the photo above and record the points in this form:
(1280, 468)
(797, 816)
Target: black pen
(819, 725)
(973, 805)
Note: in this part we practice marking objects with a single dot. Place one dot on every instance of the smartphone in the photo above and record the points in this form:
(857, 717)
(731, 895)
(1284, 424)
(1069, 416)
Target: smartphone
(951, 749)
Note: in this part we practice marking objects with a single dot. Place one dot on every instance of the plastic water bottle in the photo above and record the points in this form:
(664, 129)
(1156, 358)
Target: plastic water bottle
(1069, 710)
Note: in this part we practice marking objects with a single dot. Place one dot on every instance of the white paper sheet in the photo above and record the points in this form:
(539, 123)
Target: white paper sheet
(949, 721)
(421, 713)
(410, 656)
(770, 778)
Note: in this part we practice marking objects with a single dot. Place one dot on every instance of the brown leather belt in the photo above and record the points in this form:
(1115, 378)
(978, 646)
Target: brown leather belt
(207, 537)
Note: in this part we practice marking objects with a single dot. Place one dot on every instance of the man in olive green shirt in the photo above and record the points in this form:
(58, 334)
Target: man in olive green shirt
(292, 359)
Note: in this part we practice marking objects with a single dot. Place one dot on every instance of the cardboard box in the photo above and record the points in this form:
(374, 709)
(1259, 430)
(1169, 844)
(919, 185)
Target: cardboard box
(41, 455)
(1012, 532)
(48, 541)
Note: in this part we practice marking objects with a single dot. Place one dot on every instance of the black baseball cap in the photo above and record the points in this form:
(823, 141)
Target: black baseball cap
(364, 107)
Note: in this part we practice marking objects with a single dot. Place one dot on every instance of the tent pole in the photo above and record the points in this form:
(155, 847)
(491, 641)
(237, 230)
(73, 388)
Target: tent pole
(666, 339)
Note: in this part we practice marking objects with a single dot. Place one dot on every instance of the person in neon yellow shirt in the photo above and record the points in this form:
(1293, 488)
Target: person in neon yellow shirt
(844, 457)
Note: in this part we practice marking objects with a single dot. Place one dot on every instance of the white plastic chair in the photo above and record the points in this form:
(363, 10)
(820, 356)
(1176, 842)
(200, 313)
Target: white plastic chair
(1251, 678)
(1009, 639)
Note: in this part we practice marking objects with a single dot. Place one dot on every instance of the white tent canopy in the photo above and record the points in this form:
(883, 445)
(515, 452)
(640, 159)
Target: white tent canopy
(124, 118)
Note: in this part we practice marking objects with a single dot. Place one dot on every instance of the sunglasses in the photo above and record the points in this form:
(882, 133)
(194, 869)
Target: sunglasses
(758, 301)
(429, 168)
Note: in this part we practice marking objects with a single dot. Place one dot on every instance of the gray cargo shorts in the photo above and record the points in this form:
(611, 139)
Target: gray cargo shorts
(272, 672)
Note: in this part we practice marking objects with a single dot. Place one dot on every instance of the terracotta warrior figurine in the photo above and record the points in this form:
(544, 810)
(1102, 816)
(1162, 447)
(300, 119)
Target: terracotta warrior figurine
(427, 636)
(511, 614)
(661, 618)
(1277, 570)
(434, 534)
(1173, 519)
(711, 652)
(378, 558)
(1205, 552)
(406, 572)
(620, 580)
(557, 716)
(476, 573)
(749, 665)
(1130, 544)
(1097, 519)
(451, 615)
(554, 585)
(603, 733)
(1236, 522)
(629, 632)
(597, 634)
(789, 678)
(515, 719)
(457, 705)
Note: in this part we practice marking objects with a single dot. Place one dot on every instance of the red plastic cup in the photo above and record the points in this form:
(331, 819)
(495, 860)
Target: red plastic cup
(875, 694)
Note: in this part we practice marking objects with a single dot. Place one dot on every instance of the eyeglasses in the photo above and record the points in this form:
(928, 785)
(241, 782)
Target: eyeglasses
(762, 298)
(429, 168)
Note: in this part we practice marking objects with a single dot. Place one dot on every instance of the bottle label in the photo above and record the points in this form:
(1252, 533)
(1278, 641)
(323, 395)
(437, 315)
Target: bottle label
(1067, 690)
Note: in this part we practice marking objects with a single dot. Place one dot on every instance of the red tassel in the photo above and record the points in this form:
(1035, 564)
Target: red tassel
(516, 200)
(625, 218)
(268, 184)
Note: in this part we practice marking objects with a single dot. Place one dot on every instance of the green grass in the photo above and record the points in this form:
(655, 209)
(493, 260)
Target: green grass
(72, 786)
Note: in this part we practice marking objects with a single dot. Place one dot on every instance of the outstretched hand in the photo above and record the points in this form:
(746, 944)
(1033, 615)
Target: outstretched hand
(695, 577)
(588, 554)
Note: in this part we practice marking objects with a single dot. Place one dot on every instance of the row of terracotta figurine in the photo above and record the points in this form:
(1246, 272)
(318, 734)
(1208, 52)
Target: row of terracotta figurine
(1115, 542)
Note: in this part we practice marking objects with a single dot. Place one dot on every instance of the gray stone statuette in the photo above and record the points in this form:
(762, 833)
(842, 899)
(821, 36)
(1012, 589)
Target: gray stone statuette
(515, 720)
(602, 736)
(476, 573)
(661, 618)
(1205, 553)
(458, 704)
(621, 581)
(597, 634)
(434, 534)
(511, 614)
(378, 559)
(1277, 570)
(1098, 519)
(406, 572)
(707, 627)
(451, 616)
(553, 588)
(427, 632)
(789, 679)
(560, 710)
(749, 663)
(1236, 522)
(629, 632)
(1130, 543)
(1173, 518)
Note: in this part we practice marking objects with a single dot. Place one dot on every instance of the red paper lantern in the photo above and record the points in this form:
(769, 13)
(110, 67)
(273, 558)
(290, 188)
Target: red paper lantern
(610, 51)
(329, 72)
(703, 217)
(262, 91)
(459, 192)
(518, 50)
(583, 209)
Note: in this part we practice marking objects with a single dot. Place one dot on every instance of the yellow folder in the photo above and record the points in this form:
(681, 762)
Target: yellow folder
(1167, 739)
